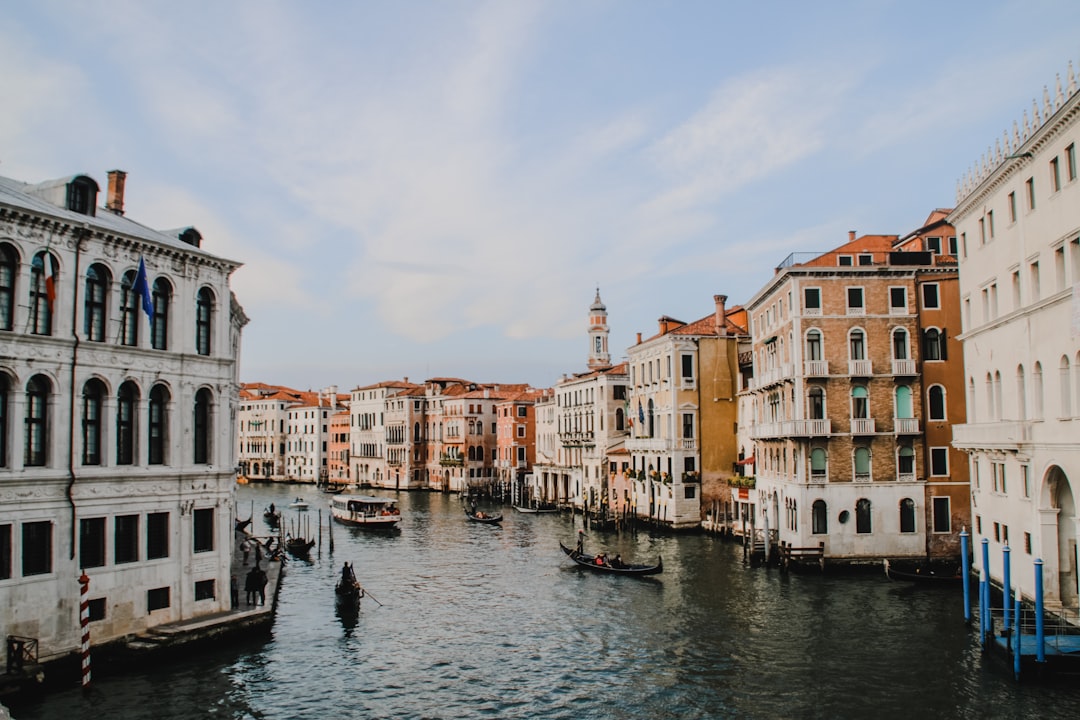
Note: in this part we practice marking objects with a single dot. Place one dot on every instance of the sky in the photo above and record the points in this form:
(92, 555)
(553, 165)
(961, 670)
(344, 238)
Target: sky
(423, 189)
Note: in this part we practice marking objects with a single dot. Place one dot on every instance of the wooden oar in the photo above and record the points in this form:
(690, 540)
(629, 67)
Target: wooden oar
(369, 594)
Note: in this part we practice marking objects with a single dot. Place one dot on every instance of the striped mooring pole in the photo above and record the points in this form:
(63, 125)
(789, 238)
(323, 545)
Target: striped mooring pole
(84, 623)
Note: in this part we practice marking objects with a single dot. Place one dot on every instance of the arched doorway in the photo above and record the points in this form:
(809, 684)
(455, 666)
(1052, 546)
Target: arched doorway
(1062, 500)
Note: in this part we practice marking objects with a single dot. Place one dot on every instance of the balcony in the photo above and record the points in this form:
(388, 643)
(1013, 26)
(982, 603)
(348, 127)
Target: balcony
(811, 428)
(906, 426)
(647, 445)
(688, 444)
(451, 461)
(818, 476)
(816, 368)
(791, 428)
(1007, 435)
(862, 426)
(905, 477)
(903, 367)
(860, 368)
(577, 439)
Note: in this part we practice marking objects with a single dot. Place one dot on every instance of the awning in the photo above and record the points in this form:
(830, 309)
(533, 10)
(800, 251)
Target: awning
(747, 461)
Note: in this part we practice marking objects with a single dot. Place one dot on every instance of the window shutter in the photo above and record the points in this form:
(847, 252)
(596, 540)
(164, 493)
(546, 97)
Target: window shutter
(944, 345)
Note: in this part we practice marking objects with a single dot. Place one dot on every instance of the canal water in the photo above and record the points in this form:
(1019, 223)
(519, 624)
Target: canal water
(494, 621)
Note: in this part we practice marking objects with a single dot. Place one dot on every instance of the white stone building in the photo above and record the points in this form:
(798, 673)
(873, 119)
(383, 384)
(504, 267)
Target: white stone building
(307, 430)
(117, 443)
(1018, 220)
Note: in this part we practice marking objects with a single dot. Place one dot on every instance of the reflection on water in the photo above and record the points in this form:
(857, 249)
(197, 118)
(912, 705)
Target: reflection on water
(487, 620)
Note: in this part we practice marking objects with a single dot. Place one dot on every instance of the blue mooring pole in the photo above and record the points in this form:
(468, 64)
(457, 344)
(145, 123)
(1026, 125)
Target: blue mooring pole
(1016, 638)
(965, 562)
(1040, 637)
(1006, 590)
(988, 622)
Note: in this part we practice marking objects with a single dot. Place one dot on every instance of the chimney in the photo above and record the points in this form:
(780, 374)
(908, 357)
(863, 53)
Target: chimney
(638, 339)
(721, 314)
(114, 201)
(851, 235)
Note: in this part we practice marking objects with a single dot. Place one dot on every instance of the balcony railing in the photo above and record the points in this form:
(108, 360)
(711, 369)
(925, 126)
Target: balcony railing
(906, 426)
(903, 367)
(862, 426)
(860, 368)
(905, 477)
(688, 444)
(993, 435)
(813, 428)
(818, 475)
(792, 428)
(816, 368)
(862, 477)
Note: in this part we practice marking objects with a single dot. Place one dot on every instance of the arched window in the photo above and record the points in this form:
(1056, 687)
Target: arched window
(9, 270)
(857, 344)
(650, 419)
(1066, 387)
(42, 293)
(127, 401)
(997, 396)
(971, 398)
(5, 407)
(93, 410)
(159, 322)
(862, 464)
(900, 344)
(37, 421)
(202, 429)
(990, 404)
(204, 314)
(907, 515)
(129, 310)
(905, 462)
(620, 419)
(860, 403)
(816, 403)
(936, 402)
(820, 519)
(904, 407)
(416, 432)
(934, 344)
(813, 344)
(158, 424)
(1037, 391)
(95, 309)
(817, 464)
(862, 516)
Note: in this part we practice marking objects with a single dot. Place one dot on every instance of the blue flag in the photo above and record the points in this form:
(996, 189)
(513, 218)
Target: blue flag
(640, 413)
(142, 289)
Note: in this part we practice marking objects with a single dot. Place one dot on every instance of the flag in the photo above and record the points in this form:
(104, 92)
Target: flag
(640, 414)
(50, 280)
(142, 289)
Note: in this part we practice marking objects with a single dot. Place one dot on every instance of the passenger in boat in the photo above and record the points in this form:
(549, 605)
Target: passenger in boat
(617, 563)
(601, 560)
(272, 510)
(347, 574)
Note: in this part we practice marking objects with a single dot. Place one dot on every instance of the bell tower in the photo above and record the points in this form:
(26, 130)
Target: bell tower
(598, 335)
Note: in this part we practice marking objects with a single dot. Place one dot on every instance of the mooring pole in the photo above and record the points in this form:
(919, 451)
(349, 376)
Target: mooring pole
(1016, 641)
(965, 562)
(1040, 636)
(84, 624)
(988, 624)
(1006, 588)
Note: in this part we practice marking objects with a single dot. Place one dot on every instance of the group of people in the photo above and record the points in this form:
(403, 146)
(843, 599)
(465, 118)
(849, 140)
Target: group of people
(602, 560)
(255, 586)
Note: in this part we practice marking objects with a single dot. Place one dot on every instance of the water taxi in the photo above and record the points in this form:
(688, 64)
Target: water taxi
(365, 511)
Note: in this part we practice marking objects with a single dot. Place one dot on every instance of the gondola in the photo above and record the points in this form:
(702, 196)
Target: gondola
(299, 546)
(482, 517)
(272, 517)
(348, 594)
(922, 573)
(589, 561)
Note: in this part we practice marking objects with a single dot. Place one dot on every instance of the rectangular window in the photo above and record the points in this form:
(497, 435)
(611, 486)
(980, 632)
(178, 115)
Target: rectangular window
(997, 532)
(1027, 543)
(157, 599)
(1030, 187)
(1015, 290)
(963, 243)
(204, 590)
(1070, 162)
(930, 299)
(855, 301)
(952, 245)
(92, 542)
(521, 431)
(37, 548)
(689, 491)
(687, 369)
(5, 552)
(942, 515)
(1025, 479)
(522, 411)
(1055, 175)
(978, 524)
(126, 539)
(1036, 288)
(1059, 268)
(866, 259)
(982, 231)
(688, 426)
(844, 261)
(939, 461)
(203, 530)
(898, 300)
(812, 301)
(990, 223)
(1012, 207)
(96, 609)
(521, 454)
(932, 245)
